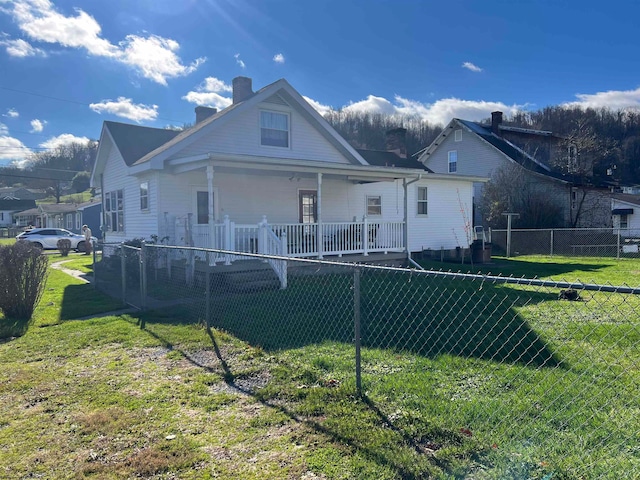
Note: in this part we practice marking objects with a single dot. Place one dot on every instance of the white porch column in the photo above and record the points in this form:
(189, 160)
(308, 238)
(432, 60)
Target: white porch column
(211, 218)
(405, 187)
(319, 235)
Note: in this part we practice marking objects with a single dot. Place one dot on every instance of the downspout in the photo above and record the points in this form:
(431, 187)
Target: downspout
(211, 218)
(103, 227)
(405, 186)
(319, 219)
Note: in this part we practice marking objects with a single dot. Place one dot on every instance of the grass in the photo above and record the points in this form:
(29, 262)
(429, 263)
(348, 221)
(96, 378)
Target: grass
(597, 270)
(270, 392)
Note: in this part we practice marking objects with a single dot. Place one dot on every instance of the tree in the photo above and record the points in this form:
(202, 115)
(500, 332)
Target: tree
(81, 182)
(513, 189)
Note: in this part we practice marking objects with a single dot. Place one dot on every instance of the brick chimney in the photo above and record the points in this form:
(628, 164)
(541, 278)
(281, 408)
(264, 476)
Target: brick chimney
(241, 89)
(396, 140)
(202, 113)
(496, 120)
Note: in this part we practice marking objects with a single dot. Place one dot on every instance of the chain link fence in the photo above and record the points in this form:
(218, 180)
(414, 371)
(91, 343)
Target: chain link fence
(543, 375)
(575, 242)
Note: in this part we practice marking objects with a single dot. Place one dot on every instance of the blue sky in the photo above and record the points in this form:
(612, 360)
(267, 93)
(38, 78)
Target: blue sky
(67, 65)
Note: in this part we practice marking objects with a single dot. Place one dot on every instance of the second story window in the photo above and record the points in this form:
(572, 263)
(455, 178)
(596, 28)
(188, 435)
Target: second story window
(144, 196)
(453, 161)
(274, 129)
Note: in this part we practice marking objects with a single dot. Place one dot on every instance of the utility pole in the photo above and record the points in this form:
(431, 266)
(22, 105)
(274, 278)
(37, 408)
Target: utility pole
(509, 217)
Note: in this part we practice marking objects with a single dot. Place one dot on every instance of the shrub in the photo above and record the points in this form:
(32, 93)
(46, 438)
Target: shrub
(23, 271)
(64, 245)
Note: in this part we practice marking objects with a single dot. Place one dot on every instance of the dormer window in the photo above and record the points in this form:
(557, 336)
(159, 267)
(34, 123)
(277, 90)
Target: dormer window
(274, 129)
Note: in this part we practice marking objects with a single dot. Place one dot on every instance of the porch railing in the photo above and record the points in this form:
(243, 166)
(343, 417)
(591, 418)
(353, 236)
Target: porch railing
(297, 239)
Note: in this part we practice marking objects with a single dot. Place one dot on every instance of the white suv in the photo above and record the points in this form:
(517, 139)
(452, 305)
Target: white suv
(47, 238)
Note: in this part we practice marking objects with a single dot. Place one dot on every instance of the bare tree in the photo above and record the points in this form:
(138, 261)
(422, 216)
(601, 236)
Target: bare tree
(514, 189)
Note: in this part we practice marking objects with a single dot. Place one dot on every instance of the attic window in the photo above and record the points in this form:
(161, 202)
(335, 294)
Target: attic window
(458, 135)
(274, 129)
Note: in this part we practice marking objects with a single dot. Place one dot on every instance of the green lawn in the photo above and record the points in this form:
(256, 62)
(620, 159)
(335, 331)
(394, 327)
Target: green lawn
(460, 380)
(608, 271)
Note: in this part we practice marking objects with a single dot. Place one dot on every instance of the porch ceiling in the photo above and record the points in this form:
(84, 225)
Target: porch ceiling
(286, 167)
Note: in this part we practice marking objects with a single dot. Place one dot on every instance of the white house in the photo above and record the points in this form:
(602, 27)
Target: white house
(470, 148)
(271, 159)
(625, 209)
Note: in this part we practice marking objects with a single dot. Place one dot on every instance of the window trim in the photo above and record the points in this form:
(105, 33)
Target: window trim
(144, 197)
(277, 112)
(420, 201)
(457, 135)
(452, 164)
(114, 208)
(78, 220)
(69, 221)
(625, 224)
(368, 205)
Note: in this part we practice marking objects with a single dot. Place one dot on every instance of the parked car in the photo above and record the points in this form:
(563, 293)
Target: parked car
(47, 238)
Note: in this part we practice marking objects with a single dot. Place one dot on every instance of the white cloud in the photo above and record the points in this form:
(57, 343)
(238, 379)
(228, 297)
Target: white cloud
(11, 113)
(20, 48)
(471, 66)
(238, 61)
(37, 125)
(438, 112)
(278, 58)
(613, 99)
(212, 84)
(125, 108)
(153, 57)
(322, 109)
(62, 140)
(208, 93)
(12, 150)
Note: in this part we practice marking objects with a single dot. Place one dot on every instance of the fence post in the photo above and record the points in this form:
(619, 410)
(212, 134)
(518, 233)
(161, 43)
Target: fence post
(143, 277)
(93, 257)
(208, 292)
(356, 321)
(552, 242)
(618, 246)
(123, 272)
(364, 235)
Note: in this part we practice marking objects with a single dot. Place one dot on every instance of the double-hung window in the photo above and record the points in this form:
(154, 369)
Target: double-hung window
(453, 161)
(422, 201)
(144, 196)
(274, 129)
(374, 205)
(114, 208)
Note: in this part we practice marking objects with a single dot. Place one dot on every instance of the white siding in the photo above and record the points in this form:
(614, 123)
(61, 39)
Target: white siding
(241, 135)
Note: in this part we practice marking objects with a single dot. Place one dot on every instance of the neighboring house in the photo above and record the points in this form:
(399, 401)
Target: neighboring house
(625, 209)
(70, 216)
(271, 159)
(470, 148)
(10, 206)
(21, 193)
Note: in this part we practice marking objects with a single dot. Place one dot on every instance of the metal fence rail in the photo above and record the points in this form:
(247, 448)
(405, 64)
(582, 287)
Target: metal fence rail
(575, 242)
(538, 371)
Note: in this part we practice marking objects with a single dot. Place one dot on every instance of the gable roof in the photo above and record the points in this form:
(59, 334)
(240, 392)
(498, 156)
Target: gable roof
(287, 93)
(382, 158)
(16, 205)
(502, 145)
(135, 141)
(627, 198)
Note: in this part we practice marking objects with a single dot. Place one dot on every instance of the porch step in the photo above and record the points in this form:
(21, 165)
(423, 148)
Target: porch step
(244, 277)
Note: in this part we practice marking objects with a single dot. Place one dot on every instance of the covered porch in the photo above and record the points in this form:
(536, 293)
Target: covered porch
(311, 211)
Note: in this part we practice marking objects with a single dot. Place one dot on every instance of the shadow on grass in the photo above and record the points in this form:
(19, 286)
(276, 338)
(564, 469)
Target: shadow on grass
(419, 314)
(10, 328)
(364, 412)
(82, 300)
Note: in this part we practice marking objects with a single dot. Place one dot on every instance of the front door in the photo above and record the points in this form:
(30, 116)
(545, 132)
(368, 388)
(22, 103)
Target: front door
(308, 206)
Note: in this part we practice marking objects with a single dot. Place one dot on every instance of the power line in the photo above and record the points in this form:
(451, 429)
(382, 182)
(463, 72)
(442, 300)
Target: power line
(49, 97)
